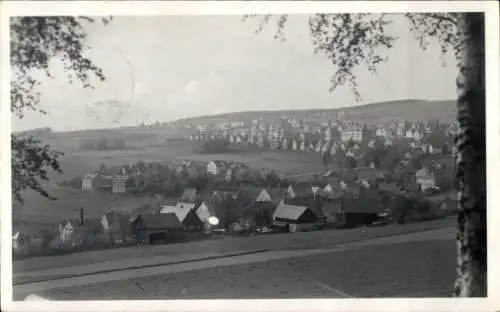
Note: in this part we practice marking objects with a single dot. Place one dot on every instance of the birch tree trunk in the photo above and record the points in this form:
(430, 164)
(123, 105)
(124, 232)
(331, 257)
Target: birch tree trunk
(471, 162)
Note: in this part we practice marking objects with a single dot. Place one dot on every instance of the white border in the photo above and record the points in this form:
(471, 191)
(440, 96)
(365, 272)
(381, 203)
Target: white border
(95, 8)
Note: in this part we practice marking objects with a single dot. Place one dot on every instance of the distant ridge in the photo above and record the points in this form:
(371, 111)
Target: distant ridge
(371, 114)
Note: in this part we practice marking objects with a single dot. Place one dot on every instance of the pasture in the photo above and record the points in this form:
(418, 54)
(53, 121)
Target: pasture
(40, 212)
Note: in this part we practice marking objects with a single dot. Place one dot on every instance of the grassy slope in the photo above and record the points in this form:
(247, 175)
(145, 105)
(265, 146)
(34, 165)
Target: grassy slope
(39, 212)
(372, 114)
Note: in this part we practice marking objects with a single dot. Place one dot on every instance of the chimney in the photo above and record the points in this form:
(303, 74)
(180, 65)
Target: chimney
(81, 216)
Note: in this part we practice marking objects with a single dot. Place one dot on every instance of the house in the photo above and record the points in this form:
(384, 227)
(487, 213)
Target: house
(149, 228)
(330, 210)
(116, 226)
(186, 215)
(354, 133)
(332, 190)
(212, 208)
(360, 210)
(255, 194)
(217, 167)
(298, 216)
(25, 241)
(70, 234)
(409, 134)
(93, 181)
(300, 189)
(425, 179)
(122, 183)
(302, 147)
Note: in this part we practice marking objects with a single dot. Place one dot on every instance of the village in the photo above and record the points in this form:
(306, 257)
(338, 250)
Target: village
(396, 173)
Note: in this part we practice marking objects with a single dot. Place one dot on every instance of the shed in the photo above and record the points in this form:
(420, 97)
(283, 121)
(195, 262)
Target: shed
(150, 227)
(187, 216)
(294, 214)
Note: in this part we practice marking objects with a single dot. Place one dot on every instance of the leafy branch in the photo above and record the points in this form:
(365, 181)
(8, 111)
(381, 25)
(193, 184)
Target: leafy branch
(34, 42)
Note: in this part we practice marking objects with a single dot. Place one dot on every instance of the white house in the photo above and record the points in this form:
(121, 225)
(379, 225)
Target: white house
(216, 167)
(409, 134)
(119, 184)
(417, 135)
(302, 146)
(355, 133)
(425, 179)
(66, 231)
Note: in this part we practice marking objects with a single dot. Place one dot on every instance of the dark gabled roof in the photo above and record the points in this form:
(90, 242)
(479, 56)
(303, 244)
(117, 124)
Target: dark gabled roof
(289, 212)
(160, 221)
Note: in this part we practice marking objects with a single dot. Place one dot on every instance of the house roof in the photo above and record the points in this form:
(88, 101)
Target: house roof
(161, 221)
(289, 212)
(181, 213)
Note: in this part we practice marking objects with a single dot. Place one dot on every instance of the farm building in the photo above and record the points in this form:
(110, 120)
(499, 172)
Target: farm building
(187, 216)
(294, 217)
(360, 210)
(149, 228)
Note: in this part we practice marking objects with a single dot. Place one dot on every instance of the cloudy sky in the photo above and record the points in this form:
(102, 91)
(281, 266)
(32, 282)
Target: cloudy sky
(187, 66)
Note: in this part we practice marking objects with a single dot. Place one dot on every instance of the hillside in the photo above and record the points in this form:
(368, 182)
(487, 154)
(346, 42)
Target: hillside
(371, 114)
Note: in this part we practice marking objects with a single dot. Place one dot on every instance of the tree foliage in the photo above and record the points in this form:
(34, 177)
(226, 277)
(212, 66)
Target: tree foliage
(35, 42)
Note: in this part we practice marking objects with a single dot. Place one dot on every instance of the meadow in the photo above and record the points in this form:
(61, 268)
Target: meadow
(38, 212)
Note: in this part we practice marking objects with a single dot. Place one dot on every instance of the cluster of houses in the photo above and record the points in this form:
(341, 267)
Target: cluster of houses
(321, 137)
(351, 197)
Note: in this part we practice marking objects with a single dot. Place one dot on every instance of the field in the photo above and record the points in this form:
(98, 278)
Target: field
(39, 212)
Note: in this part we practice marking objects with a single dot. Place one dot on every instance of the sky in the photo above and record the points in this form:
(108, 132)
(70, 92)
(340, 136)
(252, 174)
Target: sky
(185, 66)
